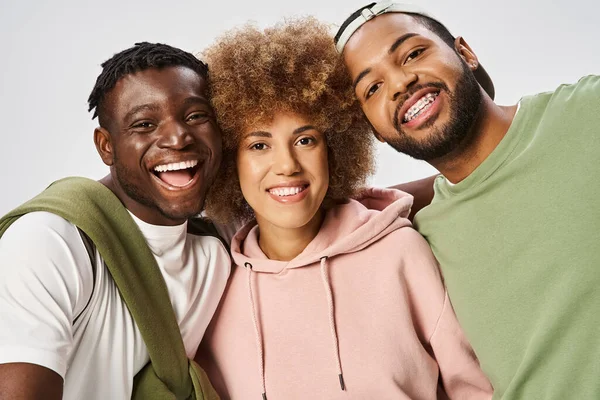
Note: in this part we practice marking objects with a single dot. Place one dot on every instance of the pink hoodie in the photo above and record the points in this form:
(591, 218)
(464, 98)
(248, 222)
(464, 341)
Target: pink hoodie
(361, 313)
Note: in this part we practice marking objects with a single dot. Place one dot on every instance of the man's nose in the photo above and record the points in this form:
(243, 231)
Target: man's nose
(398, 82)
(175, 135)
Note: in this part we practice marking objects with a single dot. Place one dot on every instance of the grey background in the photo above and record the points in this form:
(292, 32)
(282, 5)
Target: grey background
(51, 54)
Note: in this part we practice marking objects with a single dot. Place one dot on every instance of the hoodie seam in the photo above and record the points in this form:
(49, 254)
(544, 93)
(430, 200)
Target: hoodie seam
(439, 318)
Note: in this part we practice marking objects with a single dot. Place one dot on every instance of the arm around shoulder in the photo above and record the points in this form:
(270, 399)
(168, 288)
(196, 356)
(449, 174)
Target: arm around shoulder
(421, 190)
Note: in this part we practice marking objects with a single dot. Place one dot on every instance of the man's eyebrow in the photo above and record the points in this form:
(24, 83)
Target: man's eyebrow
(196, 99)
(142, 107)
(303, 129)
(258, 134)
(392, 48)
(364, 73)
(399, 41)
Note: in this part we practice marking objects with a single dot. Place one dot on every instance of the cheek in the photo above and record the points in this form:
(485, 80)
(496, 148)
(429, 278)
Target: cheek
(378, 115)
(251, 171)
(320, 167)
(210, 134)
(131, 152)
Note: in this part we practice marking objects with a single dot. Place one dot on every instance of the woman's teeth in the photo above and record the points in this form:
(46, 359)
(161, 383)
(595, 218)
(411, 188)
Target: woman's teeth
(423, 104)
(286, 191)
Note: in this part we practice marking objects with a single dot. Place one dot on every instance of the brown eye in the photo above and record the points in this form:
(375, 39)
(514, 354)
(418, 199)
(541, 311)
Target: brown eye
(414, 54)
(305, 141)
(198, 117)
(258, 146)
(371, 91)
(142, 125)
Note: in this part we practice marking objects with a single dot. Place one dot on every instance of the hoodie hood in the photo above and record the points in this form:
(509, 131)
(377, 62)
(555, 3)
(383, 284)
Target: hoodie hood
(347, 228)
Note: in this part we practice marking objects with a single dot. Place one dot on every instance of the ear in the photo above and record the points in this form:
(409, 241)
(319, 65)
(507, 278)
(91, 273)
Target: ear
(466, 53)
(104, 146)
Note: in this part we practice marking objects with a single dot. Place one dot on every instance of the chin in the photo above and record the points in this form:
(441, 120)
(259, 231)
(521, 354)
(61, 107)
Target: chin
(292, 222)
(180, 213)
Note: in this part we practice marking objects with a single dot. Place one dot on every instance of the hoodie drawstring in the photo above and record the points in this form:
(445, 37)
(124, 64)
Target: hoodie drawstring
(257, 335)
(325, 277)
(332, 327)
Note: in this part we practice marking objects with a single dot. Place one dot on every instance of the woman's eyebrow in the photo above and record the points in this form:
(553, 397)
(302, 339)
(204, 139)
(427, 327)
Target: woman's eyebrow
(303, 129)
(258, 134)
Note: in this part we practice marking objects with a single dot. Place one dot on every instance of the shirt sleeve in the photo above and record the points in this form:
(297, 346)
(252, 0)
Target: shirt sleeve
(46, 279)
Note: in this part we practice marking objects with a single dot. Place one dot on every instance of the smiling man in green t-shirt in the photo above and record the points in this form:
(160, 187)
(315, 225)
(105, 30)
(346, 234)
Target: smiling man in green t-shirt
(515, 220)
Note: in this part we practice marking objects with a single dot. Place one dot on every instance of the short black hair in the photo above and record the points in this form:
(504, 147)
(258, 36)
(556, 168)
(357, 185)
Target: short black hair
(434, 26)
(140, 57)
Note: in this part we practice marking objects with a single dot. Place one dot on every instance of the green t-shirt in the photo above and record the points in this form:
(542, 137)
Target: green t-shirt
(518, 242)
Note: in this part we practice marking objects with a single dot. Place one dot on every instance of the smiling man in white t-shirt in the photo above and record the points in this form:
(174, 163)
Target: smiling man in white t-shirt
(65, 331)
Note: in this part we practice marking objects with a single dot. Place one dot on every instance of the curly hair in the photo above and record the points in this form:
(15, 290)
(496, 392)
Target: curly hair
(291, 67)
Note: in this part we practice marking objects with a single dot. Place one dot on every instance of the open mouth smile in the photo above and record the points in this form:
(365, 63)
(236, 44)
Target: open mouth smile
(420, 106)
(287, 191)
(177, 175)
(288, 194)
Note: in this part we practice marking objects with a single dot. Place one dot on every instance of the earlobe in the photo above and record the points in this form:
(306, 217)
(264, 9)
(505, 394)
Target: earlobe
(466, 53)
(103, 142)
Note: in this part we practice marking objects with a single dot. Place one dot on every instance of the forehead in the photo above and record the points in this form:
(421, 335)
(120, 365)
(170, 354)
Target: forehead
(283, 120)
(155, 85)
(373, 39)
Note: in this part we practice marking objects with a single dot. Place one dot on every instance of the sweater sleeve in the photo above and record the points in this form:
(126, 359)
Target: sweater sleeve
(460, 374)
(45, 280)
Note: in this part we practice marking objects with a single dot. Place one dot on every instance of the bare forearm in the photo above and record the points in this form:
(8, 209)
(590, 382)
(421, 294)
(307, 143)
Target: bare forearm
(422, 191)
(23, 381)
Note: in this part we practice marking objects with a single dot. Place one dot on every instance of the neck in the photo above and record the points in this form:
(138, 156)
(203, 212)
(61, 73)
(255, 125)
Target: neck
(489, 129)
(284, 244)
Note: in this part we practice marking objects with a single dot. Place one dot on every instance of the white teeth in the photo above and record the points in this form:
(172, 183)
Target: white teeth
(286, 191)
(421, 105)
(176, 166)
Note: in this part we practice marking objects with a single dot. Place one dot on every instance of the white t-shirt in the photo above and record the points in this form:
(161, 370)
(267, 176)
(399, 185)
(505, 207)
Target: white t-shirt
(46, 281)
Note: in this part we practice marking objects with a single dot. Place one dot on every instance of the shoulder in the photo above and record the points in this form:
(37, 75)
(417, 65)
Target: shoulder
(39, 225)
(212, 250)
(570, 98)
(586, 88)
(227, 231)
(43, 243)
(46, 278)
(405, 249)
(420, 275)
(410, 251)
(407, 243)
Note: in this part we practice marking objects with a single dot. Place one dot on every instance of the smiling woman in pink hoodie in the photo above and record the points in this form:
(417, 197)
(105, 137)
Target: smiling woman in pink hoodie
(330, 298)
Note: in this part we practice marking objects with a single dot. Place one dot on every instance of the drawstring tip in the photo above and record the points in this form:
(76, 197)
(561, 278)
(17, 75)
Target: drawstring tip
(342, 384)
(264, 396)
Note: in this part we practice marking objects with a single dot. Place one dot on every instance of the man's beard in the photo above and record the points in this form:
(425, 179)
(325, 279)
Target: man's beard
(123, 175)
(465, 104)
